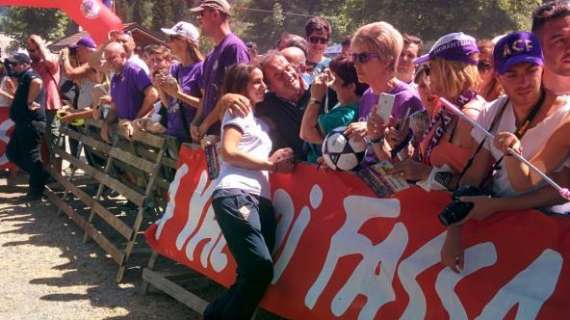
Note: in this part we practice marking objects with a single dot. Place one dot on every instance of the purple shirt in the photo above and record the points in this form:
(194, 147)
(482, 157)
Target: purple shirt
(127, 90)
(406, 98)
(229, 52)
(189, 78)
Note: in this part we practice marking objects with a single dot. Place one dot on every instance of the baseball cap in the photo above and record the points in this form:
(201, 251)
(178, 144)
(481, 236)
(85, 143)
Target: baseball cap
(221, 5)
(454, 46)
(85, 42)
(19, 58)
(517, 47)
(183, 29)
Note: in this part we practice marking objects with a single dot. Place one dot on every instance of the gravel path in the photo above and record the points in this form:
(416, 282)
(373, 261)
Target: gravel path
(48, 273)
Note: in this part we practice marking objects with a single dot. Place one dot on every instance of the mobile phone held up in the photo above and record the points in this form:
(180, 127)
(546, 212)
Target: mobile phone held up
(385, 106)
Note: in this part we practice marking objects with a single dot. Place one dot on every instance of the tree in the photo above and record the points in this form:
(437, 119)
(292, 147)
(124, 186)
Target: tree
(19, 23)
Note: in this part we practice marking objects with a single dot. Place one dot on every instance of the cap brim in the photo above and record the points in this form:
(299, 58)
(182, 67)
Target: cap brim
(167, 31)
(197, 9)
(422, 59)
(517, 60)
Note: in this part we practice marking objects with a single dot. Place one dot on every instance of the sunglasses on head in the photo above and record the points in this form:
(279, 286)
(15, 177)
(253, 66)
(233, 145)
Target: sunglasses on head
(364, 57)
(315, 40)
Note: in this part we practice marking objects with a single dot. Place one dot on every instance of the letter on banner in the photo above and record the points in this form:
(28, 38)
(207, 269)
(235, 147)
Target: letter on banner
(364, 280)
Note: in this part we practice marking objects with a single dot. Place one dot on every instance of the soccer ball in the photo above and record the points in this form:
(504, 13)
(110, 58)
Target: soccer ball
(340, 152)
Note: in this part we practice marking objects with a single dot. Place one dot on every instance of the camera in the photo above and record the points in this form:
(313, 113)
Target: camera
(458, 210)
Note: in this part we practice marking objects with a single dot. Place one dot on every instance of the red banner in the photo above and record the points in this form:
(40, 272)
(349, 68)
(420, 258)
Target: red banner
(342, 253)
(6, 127)
(92, 15)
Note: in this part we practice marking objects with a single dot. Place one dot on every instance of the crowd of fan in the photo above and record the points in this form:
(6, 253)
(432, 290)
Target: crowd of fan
(271, 110)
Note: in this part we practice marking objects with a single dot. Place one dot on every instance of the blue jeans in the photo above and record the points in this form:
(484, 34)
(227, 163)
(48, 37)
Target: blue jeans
(248, 224)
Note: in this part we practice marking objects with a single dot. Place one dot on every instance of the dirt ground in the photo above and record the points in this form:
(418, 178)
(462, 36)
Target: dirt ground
(47, 272)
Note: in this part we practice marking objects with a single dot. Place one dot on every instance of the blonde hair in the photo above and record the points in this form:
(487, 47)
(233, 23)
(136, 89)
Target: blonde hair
(194, 51)
(452, 77)
(383, 38)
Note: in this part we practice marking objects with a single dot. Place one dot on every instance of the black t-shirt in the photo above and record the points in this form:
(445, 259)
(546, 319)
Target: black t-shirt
(284, 120)
(19, 112)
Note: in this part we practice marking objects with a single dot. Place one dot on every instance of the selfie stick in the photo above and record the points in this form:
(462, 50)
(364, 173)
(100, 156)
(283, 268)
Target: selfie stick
(564, 192)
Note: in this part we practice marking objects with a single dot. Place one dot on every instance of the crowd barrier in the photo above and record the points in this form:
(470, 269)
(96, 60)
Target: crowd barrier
(343, 253)
(131, 169)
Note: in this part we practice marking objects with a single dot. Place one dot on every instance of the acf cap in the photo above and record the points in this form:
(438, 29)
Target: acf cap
(454, 46)
(85, 42)
(220, 5)
(183, 29)
(517, 47)
(19, 58)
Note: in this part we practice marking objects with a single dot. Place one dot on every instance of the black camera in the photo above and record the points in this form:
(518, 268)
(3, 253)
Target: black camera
(458, 210)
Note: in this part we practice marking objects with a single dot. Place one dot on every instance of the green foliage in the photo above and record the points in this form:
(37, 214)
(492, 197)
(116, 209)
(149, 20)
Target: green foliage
(19, 23)
(263, 21)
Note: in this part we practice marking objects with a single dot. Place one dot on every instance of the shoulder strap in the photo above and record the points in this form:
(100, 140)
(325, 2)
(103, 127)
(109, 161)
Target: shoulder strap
(492, 128)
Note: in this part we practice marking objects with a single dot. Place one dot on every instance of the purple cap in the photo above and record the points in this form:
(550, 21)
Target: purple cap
(515, 48)
(85, 42)
(454, 46)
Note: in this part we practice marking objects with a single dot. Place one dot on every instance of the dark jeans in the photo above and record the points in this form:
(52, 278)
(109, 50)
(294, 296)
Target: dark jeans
(24, 151)
(248, 224)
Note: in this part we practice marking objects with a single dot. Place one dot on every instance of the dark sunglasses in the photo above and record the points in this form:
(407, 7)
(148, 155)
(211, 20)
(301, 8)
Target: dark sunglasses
(364, 57)
(315, 40)
(175, 37)
(484, 66)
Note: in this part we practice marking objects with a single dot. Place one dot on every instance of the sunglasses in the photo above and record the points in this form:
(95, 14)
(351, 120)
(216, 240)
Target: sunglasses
(483, 66)
(174, 37)
(364, 57)
(315, 40)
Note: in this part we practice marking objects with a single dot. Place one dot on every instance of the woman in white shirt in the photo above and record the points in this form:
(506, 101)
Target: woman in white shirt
(241, 197)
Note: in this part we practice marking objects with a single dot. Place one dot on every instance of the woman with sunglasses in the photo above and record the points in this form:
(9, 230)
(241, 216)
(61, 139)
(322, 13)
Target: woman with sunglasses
(241, 197)
(185, 90)
(447, 141)
(376, 49)
(489, 88)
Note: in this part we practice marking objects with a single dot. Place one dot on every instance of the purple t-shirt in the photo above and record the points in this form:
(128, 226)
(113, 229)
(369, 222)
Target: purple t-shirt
(406, 98)
(189, 78)
(229, 52)
(127, 90)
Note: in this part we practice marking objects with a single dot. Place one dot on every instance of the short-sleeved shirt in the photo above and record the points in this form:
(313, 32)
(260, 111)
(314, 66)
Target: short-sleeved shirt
(532, 142)
(127, 90)
(339, 116)
(188, 78)
(284, 120)
(49, 72)
(19, 112)
(406, 99)
(230, 51)
(255, 142)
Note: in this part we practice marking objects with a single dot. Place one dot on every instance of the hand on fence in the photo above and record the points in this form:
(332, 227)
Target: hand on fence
(452, 252)
(283, 160)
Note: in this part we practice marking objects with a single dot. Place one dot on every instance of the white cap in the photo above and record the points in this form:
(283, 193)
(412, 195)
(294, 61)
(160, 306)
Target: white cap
(183, 29)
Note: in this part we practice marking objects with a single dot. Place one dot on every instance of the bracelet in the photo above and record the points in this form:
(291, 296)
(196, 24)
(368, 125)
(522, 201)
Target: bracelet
(314, 101)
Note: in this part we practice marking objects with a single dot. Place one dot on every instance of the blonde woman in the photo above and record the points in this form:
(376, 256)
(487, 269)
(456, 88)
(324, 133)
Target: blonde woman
(376, 48)
(452, 63)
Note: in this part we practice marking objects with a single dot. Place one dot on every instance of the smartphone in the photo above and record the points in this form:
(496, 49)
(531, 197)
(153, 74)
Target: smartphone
(385, 106)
